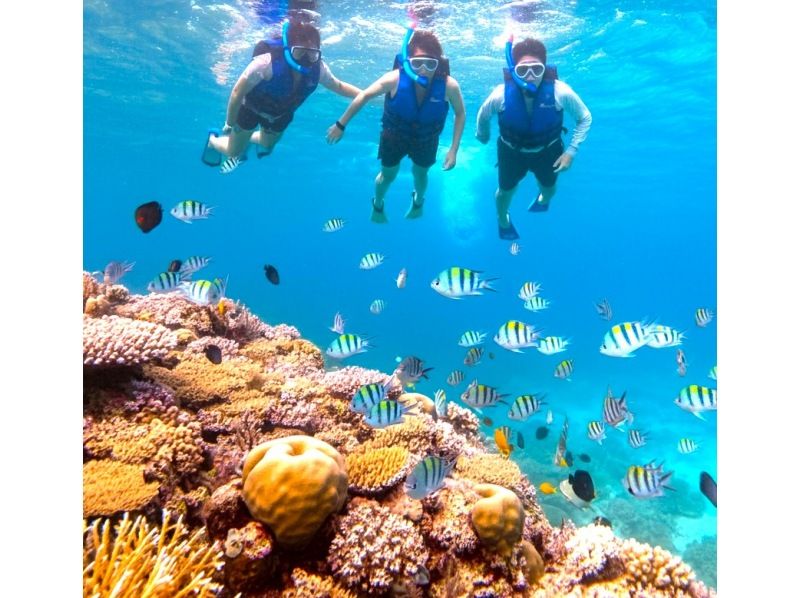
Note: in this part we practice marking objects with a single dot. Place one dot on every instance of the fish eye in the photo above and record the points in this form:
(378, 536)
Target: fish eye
(630, 490)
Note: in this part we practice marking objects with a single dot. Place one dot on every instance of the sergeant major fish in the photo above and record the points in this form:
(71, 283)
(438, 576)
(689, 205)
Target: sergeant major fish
(515, 335)
(204, 292)
(564, 370)
(596, 430)
(604, 309)
(536, 304)
(369, 395)
(615, 411)
(333, 225)
(114, 271)
(481, 395)
(346, 345)
(189, 210)
(401, 279)
(166, 282)
(473, 356)
(703, 317)
(664, 336)
(386, 413)
(524, 406)
(457, 282)
(440, 401)
(695, 399)
(471, 338)
(410, 370)
(623, 339)
(529, 290)
(428, 476)
(646, 481)
(636, 438)
(455, 378)
(371, 261)
(550, 345)
(338, 324)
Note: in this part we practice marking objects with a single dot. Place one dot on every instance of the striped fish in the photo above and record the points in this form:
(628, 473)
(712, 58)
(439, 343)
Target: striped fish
(515, 335)
(194, 263)
(703, 317)
(480, 395)
(369, 395)
(515, 248)
(695, 399)
(346, 345)
(526, 405)
(231, 164)
(370, 261)
(473, 356)
(529, 290)
(428, 476)
(680, 358)
(623, 339)
(410, 370)
(471, 338)
(615, 411)
(338, 324)
(686, 446)
(564, 369)
(535, 304)
(189, 210)
(604, 309)
(386, 413)
(664, 336)
(220, 286)
(502, 437)
(561, 449)
(377, 306)
(550, 345)
(203, 292)
(646, 481)
(333, 225)
(457, 282)
(114, 271)
(597, 431)
(712, 373)
(455, 378)
(166, 282)
(636, 438)
(440, 401)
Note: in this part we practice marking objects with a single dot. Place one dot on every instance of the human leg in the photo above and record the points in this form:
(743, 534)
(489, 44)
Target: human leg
(233, 144)
(420, 186)
(511, 169)
(542, 169)
(383, 181)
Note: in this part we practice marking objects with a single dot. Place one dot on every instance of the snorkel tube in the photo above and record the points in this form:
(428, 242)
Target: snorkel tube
(406, 64)
(510, 62)
(287, 51)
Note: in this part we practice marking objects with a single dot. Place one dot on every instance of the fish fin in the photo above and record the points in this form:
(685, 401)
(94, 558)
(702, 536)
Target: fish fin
(485, 284)
(698, 414)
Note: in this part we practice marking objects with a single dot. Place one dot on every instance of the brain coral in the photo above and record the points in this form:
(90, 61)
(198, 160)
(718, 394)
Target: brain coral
(373, 472)
(292, 484)
(110, 487)
(498, 517)
(373, 548)
(112, 340)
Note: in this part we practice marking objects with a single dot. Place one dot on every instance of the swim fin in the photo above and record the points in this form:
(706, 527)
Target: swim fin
(210, 156)
(263, 152)
(415, 209)
(377, 214)
(537, 205)
(508, 233)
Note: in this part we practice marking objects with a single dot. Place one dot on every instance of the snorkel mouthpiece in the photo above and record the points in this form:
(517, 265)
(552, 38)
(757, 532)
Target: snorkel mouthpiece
(510, 62)
(287, 51)
(407, 64)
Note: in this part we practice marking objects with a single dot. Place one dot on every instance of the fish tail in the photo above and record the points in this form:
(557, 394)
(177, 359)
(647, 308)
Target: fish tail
(485, 284)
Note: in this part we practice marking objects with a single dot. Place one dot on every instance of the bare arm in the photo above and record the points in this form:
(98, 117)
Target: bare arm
(383, 85)
(491, 106)
(335, 85)
(453, 93)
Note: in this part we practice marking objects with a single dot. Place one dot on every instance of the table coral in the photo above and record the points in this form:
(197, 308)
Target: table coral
(498, 517)
(112, 340)
(292, 484)
(373, 548)
(172, 310)
(374, 472)
(110, 487)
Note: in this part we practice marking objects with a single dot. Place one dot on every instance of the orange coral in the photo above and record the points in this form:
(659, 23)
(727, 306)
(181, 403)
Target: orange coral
(373, 472)
(309, 585)
(489, 469)
(110, 487)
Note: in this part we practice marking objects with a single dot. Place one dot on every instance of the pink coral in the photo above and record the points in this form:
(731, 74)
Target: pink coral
(112, 340)
(172, 310)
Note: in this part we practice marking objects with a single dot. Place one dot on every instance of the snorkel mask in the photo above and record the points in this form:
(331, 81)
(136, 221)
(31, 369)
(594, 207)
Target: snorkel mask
(287, 52)
(407, 64)
(527, 85)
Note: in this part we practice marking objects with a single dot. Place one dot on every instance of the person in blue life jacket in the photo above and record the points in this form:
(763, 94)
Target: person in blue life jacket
(283, 73)
(530, 105)
(418, 92)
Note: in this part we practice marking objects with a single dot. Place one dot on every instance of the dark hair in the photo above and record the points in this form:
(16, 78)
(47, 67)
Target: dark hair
(427, 42)
(530, 47)
(303, 34)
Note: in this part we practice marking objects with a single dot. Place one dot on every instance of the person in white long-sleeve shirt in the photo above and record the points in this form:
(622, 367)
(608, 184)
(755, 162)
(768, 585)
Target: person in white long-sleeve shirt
(530, 105)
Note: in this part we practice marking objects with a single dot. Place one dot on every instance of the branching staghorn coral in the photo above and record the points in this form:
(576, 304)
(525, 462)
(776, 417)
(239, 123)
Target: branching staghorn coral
(142, 560)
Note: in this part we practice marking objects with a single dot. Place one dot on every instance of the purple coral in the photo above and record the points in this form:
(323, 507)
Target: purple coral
(112, 340)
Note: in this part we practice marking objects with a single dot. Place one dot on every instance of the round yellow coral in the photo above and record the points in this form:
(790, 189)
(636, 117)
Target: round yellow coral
(372, 472)
(498, 518)
(292, 484)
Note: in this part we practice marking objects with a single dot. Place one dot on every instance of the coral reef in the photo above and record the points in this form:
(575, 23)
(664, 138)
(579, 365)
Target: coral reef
(309, 585)
(110, 487)
(374, 472)
(498, 517)
(292, 484)
(143, 560)
(112, 340)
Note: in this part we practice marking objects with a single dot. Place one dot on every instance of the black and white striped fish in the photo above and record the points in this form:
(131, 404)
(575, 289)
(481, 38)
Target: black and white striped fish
(515, 335)
(646, 481)
(231, 164)
(536, 304)
(526, 405)
(695, 399)
(440, 401)
(377, 306)
(481, 395)
(386, 413)
(529, 290)
(346, 345)
(338, 324)
(410, 370)
(604, 309)
(664, 336)
(204, 292)
(636, 438)
(550, 345)
(428, 476)
(370, 261)
(166, 282)
(333, 225)
(703, 317)
(615, 411)
(457, 282)
(471, 338)
(473, 356)
(189, 210)
(114, 271)
(564, 369)
(369, 395)
(623, 339)
(194, 263)
(515, 248)
(687, 446)
(455, 378)
(561, 449)
(596, 430)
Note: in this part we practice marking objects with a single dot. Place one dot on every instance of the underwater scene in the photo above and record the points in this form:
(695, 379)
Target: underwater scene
(400, 298)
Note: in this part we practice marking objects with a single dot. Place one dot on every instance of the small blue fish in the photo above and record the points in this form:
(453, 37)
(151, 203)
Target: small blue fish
(386, 413)
(428, 476)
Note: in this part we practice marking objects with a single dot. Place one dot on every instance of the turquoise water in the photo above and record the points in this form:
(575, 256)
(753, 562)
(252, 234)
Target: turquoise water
(634, 219)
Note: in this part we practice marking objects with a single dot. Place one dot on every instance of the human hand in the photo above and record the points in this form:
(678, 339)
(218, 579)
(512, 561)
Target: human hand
(334, 134)
(449, 160)
(484, 139)
(563, 163)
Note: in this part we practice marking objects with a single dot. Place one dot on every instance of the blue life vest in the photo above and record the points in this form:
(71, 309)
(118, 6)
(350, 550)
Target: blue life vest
(404, 117)
(542, 125)
(278, 96)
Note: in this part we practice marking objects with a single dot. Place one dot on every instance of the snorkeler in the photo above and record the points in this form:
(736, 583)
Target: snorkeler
(283, 73)
(530, 105)
(415, 108)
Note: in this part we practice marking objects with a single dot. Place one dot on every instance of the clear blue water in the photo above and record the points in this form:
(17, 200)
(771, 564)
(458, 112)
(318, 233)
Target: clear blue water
(634, 220)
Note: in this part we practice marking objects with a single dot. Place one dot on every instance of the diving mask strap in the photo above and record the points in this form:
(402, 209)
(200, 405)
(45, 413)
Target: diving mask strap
(527, 85)
(287, 51)
(407, 64)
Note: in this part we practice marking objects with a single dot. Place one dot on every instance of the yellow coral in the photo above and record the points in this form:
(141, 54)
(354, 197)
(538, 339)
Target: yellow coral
(372, 472)
(534, 564)
(141, 560)
(498, 518)
(309, 585)
(295, 351)
(650, 567)
(489, 469)
(111, 487)
(414, 434)
(292, 484)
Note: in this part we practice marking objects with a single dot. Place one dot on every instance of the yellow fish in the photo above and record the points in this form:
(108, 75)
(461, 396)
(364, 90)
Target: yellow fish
(547, 488)
(502, 442)
(222, 307)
